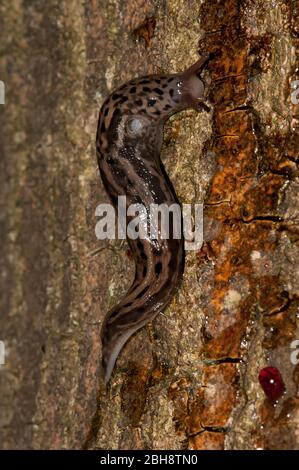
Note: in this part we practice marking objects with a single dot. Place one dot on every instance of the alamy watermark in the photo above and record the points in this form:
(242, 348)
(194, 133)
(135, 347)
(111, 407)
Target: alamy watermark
(295, 92)
(295, 352)
(2, 92)
(156, 222)
(2, 353)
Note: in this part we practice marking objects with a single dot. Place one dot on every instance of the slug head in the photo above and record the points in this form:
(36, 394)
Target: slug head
(139, 108)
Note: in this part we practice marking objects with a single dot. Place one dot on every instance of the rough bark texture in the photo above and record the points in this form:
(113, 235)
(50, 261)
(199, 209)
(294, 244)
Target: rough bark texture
(189, 380)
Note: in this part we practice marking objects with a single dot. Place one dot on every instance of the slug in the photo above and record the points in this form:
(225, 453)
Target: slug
(128, 142)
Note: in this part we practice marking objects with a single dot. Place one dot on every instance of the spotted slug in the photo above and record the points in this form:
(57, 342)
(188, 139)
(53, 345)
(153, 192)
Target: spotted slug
(128, 142)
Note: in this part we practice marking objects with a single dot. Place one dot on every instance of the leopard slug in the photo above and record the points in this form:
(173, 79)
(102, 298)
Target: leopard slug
(129, 139)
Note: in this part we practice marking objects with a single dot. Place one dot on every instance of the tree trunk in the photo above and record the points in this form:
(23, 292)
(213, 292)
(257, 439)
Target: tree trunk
(190, 379)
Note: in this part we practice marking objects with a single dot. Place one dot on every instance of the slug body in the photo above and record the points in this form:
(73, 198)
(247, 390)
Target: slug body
(129, 139)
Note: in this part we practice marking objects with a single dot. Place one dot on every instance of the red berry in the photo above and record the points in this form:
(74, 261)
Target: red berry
(271, 382)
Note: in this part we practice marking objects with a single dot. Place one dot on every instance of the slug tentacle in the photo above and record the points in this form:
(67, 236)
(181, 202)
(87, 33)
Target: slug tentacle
(129, 139)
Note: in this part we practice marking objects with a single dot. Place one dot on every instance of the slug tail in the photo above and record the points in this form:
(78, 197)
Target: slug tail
(114, 339)
(110, 352)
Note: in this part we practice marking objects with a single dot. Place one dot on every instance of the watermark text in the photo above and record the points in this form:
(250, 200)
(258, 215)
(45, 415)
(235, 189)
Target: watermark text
(156, 222)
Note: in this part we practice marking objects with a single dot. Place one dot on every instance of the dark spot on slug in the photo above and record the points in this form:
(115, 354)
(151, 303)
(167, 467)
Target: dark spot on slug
(158, 268)
(151, 102)
(172, 264)
(167, 106)
(140, 246)
(103, 127)
(120, 175)
(158, 91)
(144, 271)
(171, 92)
(142, 292)
(133, 316)
(156, 189)
(164, 85)
(144, 82)
(143, 256)
(106, 111)
(123, 99)
(113, 314)
(157, 80)
(138, 102)
(116, 96)
(112, 130)
(146, 89)
(114, 199)
(170, 79)
(132, 90)
(137, 199)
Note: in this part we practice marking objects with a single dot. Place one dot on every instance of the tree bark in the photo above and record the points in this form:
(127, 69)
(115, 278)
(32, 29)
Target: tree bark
(190, 379)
